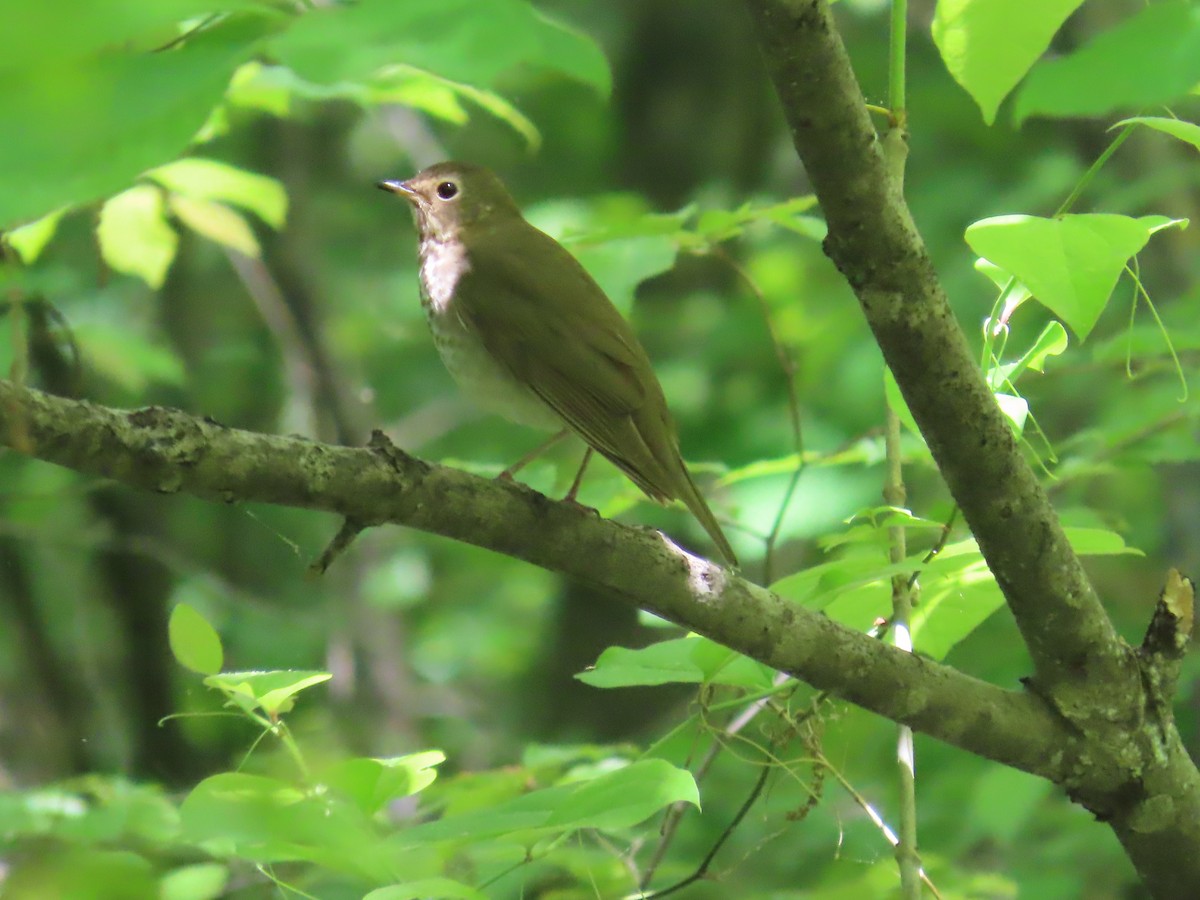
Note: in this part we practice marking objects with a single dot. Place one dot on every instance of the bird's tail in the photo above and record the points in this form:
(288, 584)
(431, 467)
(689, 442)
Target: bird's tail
(694, 501)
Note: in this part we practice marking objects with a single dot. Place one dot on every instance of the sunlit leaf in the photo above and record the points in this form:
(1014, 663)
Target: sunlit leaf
(272, 691)
(201, 881)
(29, 240)
(1098, 542)
(690, 660)
(78, 133)
(260, 86)
(1052, 341)
(426, 889)
(455, 39)
(62, 32)
(989, 45)
(373, 783)
(81, 872)
(614, 799)
(1002, 802)
(194, 642)
(1152, 57)
(1070, 264)
(135, 237)
(1188, 132)
(208, 179)
(1015, 409)
(216, 222)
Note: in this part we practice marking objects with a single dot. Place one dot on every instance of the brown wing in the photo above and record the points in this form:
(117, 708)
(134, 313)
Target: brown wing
(545, 320)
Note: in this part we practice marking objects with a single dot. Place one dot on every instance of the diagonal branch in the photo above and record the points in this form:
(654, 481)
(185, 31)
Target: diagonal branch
(875, 244)
(170, 452)
(1082, 667)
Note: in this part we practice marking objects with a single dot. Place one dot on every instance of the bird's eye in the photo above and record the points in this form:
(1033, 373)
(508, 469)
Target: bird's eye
(447, 190)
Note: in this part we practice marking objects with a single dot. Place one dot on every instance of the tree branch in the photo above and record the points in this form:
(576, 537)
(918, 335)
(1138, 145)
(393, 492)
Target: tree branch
(875, 245)
(170, 452)
(1081, 666)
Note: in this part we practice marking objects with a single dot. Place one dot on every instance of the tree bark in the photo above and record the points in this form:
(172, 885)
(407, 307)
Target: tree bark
(1089, 676)
(169, 451)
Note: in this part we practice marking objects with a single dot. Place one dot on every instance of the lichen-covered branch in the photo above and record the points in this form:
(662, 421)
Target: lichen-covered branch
(874, 243)
(169, 451)
(1087, 673)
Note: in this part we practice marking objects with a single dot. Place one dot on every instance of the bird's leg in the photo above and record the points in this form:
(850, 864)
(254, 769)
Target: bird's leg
(533, 454)
(587, 458)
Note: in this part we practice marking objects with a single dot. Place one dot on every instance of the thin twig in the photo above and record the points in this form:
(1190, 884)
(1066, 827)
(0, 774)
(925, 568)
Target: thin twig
(872, 813)
(906, 847)
(895, 148)
(676, 811)
(702, 869)
(943, 538)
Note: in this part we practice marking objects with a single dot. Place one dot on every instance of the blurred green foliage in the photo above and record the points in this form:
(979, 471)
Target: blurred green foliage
(186, 195)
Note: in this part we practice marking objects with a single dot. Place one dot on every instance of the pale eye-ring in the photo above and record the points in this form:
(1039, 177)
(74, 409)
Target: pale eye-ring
(447, 190)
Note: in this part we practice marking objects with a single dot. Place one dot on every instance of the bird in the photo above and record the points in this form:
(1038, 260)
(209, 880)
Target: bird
(527, 333)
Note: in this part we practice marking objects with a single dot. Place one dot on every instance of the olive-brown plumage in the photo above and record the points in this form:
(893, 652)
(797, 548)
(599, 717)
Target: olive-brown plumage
(527, 333)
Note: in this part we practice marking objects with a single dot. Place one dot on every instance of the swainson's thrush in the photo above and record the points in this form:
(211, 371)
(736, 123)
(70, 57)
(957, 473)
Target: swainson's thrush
(527, 333)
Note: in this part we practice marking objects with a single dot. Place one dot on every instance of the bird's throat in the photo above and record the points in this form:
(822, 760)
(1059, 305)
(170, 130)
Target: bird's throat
(443, 263)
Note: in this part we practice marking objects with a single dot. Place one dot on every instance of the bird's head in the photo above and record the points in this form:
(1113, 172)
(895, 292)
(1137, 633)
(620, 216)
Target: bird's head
(450, 197)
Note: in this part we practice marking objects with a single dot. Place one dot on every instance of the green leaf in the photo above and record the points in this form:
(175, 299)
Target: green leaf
(493, 103)
(271, 691)
(1013, 291)
(1188, 132)
(372, 783)
(1015, 409)
(61, 32)
(690, 660)
(208, 179)
(819, 586)
(989, 45)
(135, 237)
(29, 240)
(1099, 542)
(717, 225)
(426, 889)
(1153, 57)
(76, 133)
(256, 85)
(216, 222)
(1071, 264)
(612, 800)
(202, 881)
(273, 89)
(619, 266)
(1052, 341)
(194, 642)
(455, 39)
(958, 594)
(614, 239)
(958, 591)
(1002, 802)
(80, 874)
(263, 820)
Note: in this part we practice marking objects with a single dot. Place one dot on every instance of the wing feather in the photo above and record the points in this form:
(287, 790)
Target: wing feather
(544, 319)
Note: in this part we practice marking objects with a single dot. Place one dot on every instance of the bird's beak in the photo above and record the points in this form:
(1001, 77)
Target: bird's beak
(403, 188)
